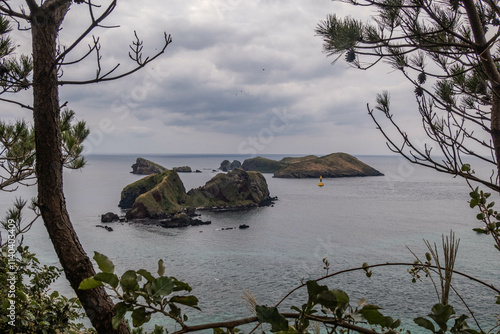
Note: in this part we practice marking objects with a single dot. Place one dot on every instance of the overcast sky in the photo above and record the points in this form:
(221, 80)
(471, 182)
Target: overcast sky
(240, 76)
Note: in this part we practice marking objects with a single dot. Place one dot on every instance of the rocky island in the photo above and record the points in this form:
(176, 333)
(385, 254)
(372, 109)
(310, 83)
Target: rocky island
(145, 167)
(311, 166)
(163, 196)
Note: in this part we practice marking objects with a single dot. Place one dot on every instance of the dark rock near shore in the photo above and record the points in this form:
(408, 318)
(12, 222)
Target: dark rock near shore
(181, 220)
(145, 167)
(109, 217)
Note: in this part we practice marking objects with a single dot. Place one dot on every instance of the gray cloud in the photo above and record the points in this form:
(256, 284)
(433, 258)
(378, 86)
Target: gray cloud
(232, 68)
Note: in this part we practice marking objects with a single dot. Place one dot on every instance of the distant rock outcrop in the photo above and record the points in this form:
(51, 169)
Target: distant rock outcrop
(160, 196)
(183, 169)
(227, 166)
(145, 167)
(262, 165)
(332, 165)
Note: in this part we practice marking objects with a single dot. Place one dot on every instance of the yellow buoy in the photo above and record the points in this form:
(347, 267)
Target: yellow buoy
(321, 181)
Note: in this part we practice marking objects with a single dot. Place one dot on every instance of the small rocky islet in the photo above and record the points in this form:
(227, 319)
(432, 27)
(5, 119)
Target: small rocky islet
(161, 198)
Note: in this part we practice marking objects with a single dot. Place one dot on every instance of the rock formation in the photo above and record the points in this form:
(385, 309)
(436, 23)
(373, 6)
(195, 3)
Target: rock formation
(262, 165)
(332, 165)
(160, 196)
(133, 190)
(227, 166)
(109, 217)
(183, 169)
(146, 167)
(236, 189)
(165, 195)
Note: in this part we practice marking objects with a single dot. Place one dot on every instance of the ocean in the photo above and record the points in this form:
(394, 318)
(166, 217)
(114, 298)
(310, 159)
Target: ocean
(349, 221)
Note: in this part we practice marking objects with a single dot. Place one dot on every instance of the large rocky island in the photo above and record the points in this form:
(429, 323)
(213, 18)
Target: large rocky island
(162, 195)
(311, 166)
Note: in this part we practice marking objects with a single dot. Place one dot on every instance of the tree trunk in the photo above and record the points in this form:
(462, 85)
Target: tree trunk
(76, 264)
(490, 69)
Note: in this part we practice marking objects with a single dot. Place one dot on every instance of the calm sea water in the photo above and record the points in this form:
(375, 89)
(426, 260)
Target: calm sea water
(349, 221)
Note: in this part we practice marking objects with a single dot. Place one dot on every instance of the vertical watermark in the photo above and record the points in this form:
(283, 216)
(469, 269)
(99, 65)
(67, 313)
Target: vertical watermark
(12, 277)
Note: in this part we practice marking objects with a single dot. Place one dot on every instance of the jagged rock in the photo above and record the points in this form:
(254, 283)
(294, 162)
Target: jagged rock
(134, 190)
(227, 166)
(182, 220)
(332, 165)
(235, 189)
(146, 167)
(166, 195)
(109, 217)
(197, 171)
(183, 169)
(235, 164)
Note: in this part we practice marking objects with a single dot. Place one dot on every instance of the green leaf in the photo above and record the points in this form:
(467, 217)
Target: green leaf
(498, 299)
(104, 263)
(465, 168)
(162, 286)
(128, 281)
(111, 279)
(181, 286)
(161, 268)
(271, 316)
(474, 194)
(426, 323)
(121, 309)
(140, 316)
(480, 230)
(480, 216)
(372, 315)
(89, 283)
(441, 314)
(146, 274)
(473, 203)
(314, 290)
(191, 301)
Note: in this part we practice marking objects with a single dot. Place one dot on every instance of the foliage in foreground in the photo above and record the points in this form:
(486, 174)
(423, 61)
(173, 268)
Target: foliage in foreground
(27, 304)
(142, 294)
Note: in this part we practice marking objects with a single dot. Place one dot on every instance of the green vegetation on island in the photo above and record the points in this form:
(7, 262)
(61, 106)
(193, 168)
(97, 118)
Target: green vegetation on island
(311, 166)
(162, 195)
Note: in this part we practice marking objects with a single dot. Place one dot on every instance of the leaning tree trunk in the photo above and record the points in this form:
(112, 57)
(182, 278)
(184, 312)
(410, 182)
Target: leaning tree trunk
(75, 262)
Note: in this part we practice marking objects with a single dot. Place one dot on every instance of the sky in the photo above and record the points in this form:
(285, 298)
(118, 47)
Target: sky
(240, 77)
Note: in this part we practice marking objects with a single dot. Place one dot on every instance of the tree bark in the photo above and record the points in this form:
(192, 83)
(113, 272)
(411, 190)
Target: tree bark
(45, 22)
(490, 69)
